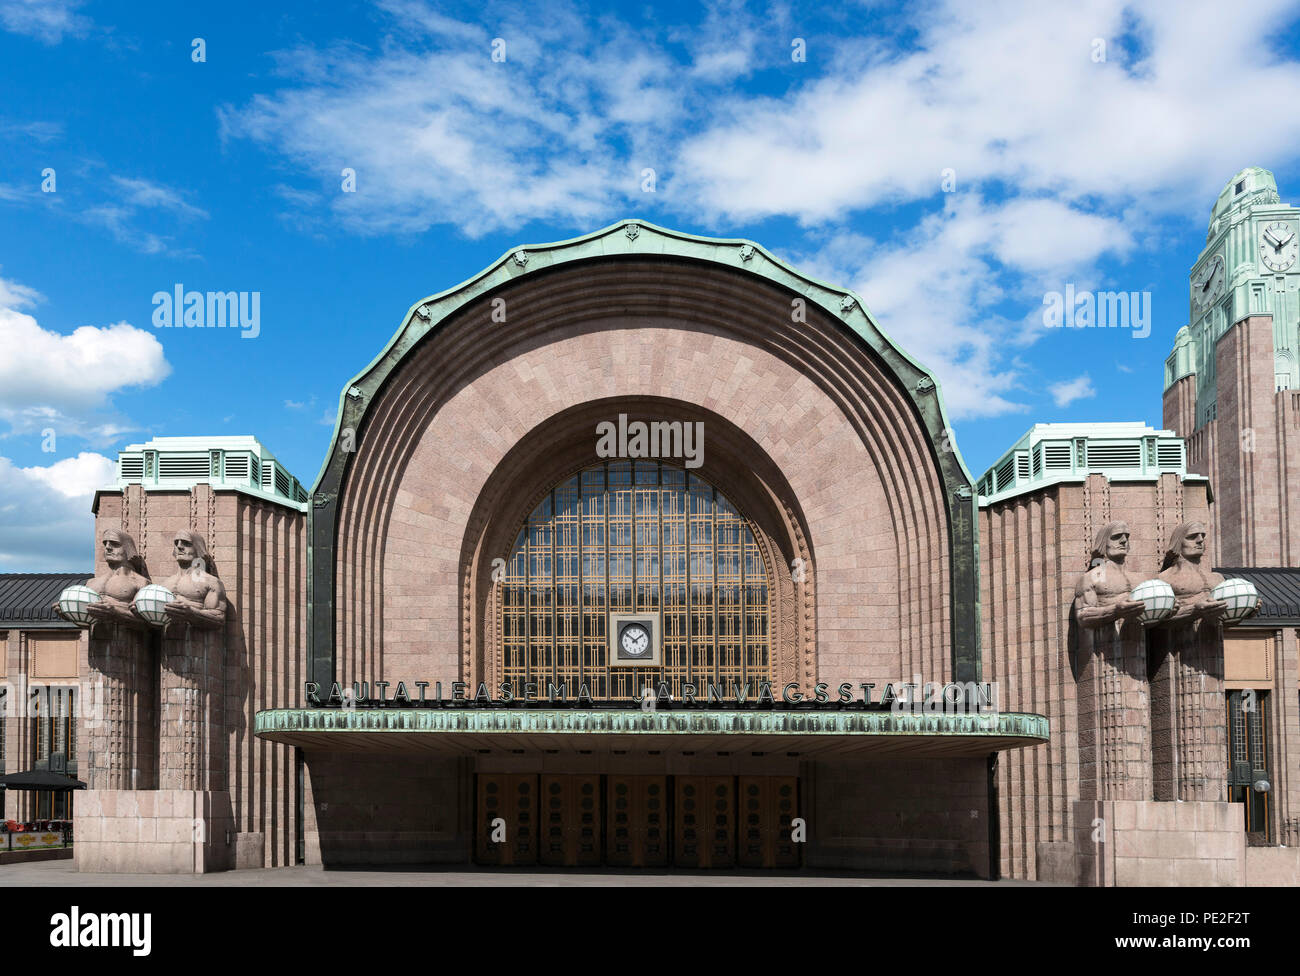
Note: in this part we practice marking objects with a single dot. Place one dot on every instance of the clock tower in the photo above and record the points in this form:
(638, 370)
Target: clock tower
(1232, 381)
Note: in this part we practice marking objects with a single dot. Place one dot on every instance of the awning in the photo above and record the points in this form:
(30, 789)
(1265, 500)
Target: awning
(40, 779)
(465, 731)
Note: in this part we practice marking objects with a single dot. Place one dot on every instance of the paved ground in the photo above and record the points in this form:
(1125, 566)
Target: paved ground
(62, 874)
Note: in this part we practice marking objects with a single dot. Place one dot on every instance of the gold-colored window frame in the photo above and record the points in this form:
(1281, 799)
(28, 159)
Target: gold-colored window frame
(640, 537)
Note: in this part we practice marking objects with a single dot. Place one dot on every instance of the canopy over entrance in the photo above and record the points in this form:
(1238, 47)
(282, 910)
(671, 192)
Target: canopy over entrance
(857, 734)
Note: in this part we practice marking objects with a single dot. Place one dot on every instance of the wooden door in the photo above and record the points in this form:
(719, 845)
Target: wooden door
(506, 831)
(636, 811)
(705, 822)
(768, 806)
(570, 831)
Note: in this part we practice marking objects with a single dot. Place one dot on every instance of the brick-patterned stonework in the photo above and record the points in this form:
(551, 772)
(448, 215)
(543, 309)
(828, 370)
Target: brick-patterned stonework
(924, 815)
(153, 831)
(1248, 492)
(1130, 843)
(1033, 548)
(206, 689)
(397, 809)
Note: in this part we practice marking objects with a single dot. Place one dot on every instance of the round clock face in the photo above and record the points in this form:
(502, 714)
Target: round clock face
(1208, 284)
(1278, 246)
(635, 641)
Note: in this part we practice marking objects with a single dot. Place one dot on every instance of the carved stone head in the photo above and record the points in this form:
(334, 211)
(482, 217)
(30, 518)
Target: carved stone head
(119, 549)
(1186, 542)
(1111, 543)
(191, 551)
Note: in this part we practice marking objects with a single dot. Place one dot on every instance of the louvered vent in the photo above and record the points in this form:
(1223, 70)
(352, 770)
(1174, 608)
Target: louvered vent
(1038, 459)
(257, 469)
(237, 466)
(268, 476)
(131, 468)
(282, 484)
(1114, 455)
(193, 468)
(1056, 457)
(1022, 467)
(1170, 454)
(1004, 473)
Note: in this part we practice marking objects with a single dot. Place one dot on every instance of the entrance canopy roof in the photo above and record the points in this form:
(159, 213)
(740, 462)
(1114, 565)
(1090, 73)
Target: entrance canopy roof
(859, 734)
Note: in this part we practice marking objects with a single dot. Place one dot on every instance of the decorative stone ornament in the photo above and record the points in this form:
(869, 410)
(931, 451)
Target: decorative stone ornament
(521, 258)
(1241, 597)
(1158, 597)
(151, 603)
(847, 303)
(746, 251)
(633, 231)
(73, 603)
(423, 312)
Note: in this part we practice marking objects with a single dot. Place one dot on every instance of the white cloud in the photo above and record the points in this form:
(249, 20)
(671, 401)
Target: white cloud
(45, 20)
(1008, 92)
(145, 193)
(45, 519)
(934, 288)
(1057, 157)
(65, 382)
(1067, 391)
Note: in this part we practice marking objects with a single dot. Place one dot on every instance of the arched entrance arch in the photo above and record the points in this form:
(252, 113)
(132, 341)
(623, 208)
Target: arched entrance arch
(732, 462)
(854, 428)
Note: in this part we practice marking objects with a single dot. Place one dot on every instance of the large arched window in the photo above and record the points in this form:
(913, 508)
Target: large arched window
(640, 537)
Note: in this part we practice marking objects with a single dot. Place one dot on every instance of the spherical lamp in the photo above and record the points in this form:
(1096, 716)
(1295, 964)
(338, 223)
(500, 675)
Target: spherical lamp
(74, 600)
(1158, 596)
(151, 603)
(1241, 597)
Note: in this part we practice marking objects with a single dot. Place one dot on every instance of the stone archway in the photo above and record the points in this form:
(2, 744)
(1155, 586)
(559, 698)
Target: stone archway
(565, 444)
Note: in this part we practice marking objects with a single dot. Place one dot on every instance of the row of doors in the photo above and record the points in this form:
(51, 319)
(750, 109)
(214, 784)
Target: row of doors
(586, 820)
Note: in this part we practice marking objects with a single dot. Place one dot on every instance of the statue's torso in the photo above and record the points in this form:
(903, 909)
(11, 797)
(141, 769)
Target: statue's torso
(1110, 582)
(1190, 583)
(118, 586)
(191, 588)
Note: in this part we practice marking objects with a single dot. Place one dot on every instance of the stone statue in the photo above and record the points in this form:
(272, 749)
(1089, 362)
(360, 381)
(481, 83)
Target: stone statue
(117, 587)
(1192, 583)
(1111, 680)
(200, 596)
(1102, 594)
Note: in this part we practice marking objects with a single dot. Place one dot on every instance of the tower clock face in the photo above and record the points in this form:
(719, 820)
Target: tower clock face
(1208, 283)
(1278, 246)
(634, 641)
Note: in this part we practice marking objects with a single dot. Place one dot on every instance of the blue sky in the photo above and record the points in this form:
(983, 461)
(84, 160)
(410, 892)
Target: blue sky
(1063, 167)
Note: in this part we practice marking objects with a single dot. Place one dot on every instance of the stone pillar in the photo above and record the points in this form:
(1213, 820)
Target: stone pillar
(192, 726)
(1200, 712)
(1164, 724)
(1114, 731)
(122, 725)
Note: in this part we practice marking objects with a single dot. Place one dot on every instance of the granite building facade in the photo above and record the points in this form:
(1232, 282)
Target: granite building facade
(521, 617)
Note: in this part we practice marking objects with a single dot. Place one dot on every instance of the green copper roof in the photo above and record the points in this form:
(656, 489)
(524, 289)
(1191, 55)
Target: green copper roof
(239, 463)
(1053, 453)
(1253, 185)
(634, 237)
(620, 722)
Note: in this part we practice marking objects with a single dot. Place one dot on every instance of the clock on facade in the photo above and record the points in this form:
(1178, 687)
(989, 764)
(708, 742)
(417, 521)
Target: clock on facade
(1278, 246)
(634, 640)
(1208, 283)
